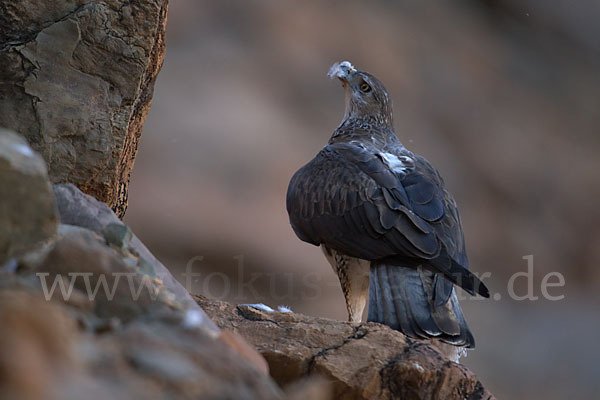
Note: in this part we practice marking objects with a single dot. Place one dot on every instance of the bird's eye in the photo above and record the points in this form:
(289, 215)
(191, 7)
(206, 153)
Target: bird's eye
(365, 88)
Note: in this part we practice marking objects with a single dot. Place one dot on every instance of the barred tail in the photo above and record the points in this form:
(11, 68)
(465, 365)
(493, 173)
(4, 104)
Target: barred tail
(418, 303)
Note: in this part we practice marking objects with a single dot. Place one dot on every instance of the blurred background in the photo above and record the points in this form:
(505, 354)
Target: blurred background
(502, 96)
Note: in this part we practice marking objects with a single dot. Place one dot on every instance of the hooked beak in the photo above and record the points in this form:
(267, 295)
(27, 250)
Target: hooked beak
(344, 71)
(341, 70)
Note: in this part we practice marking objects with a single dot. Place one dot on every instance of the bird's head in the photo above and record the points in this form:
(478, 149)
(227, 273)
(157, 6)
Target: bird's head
(366, 97)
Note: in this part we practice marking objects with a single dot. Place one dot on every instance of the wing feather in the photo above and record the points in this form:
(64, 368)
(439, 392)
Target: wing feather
(349, 198)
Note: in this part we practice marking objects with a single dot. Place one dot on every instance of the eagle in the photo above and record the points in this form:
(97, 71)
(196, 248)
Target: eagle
(385, 221)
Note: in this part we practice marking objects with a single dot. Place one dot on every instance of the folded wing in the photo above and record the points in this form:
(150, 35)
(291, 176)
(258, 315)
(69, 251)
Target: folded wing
(379, 205)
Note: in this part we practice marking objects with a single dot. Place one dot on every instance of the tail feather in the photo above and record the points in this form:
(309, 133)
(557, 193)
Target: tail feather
(375, 298)
(442, 290)
(469, 339)
(407, 299)
(387, 300)
(407, 287)
(381, 305)
(446, 319)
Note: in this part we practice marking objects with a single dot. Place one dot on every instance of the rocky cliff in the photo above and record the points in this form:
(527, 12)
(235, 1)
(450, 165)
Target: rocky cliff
(87, 311)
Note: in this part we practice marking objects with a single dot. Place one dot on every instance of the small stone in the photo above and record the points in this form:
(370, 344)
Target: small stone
(117, 235)
(146, 267)
(130, 262)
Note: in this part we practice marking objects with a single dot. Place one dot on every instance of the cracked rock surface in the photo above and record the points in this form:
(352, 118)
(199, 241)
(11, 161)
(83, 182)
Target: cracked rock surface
(89, 313)
(76, 79)
(366, 361)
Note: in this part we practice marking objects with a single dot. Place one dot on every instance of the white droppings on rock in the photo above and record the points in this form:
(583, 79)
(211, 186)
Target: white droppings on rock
(418, 366)
(193, 319)
(260, 306)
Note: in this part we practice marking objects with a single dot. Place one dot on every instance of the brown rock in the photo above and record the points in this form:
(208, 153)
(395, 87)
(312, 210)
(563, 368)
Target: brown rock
(236, 342)
(27, 210)
(82, 260)
(365, 361)
(79, 209)
(188, 363)
(43, 355)
(36, 346)
(119, 339)
(313, 388)
(76, 79)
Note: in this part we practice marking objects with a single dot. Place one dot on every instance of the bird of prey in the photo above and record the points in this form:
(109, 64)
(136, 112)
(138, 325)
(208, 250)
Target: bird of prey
(385, 221)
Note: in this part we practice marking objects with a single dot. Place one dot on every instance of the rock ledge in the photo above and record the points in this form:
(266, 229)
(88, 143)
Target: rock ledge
(362, 361)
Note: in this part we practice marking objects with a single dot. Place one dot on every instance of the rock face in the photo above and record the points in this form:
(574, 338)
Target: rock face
(366, 361)
(77, 208)
(44, 353)
(27, 210)
(76, 79)
(91, 314)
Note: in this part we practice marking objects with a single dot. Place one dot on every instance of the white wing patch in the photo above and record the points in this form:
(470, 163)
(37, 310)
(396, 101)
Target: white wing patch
(402, 164)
